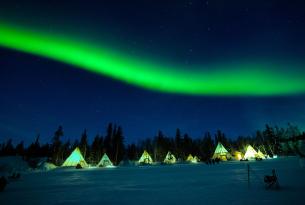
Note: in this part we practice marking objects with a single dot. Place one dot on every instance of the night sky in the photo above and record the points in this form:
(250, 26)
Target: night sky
(149, 65)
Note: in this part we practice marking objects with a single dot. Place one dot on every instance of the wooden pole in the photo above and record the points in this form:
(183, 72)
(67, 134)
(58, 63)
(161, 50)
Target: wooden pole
(248, 168)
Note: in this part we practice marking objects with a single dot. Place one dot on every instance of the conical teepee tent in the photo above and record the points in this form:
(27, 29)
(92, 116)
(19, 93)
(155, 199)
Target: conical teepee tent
(237, 155)
(196, 159)
(145, 158)
(260, 155)
(74, 159)
(250, 153)
(105, 161)
(170, 158)
(189, 158)
(192, 159)
(221, 153)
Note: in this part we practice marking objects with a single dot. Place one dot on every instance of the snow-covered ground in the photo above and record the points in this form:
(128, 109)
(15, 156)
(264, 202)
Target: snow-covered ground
(12, 164)
(224, 183)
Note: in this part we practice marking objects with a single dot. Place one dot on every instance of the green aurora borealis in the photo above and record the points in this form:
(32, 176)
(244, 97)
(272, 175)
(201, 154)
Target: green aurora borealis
(219, 79)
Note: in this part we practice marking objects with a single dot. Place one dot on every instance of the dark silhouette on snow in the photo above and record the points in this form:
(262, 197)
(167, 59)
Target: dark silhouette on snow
(271, 180)
(78, 166)
(3, 183)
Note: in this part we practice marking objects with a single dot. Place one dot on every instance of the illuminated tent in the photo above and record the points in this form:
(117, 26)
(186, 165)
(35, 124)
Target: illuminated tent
(237, 155)
(189, 158)
(260, 155)
(170, 158)
(192, 159)
(250, 153)
(221, 153)
(105, 161)
(196, 159)
(74, 159)
(145, 158)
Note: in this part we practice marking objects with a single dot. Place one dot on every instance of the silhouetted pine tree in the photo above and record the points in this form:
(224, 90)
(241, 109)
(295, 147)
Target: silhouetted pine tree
(75, 144)
(270, 140)
(159, 146)
(207, 146)
(66, 149)
(8, 148)
(46, 151)
(20, 149)
(56, 145)
(291, 140)
(83, 146)
(108, 141)
(146, 145)
(132, 152)
(118, 145)
(34, 149)
(178, 145)
(96, 149)
(187, 148)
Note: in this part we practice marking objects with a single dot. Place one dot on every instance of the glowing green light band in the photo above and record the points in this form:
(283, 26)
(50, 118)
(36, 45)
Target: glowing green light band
(242, 79)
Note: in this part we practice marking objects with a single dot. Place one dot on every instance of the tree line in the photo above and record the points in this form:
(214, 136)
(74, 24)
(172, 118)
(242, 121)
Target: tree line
(272, 140)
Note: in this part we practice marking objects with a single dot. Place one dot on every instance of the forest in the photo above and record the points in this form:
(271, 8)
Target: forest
(272, 140)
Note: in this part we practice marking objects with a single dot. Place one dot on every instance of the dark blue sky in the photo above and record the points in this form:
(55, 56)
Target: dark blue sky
(38, 94)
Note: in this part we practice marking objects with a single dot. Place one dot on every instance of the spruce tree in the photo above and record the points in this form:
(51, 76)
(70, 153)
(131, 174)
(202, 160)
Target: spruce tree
(83, 146)
(56, 145)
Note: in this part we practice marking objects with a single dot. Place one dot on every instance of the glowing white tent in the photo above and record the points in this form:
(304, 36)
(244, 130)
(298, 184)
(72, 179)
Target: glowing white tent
(260, 155)
(145, 158)
(74, 159)
(250, 153)
(105, 161)
(221, 153)
(192, 159)
(170, 158)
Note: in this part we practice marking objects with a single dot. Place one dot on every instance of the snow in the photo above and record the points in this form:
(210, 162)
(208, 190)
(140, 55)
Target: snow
(12, 164)
(224, 183)
(46, 166)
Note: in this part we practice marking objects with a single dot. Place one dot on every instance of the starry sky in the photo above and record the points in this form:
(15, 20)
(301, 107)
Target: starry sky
(149, 65)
